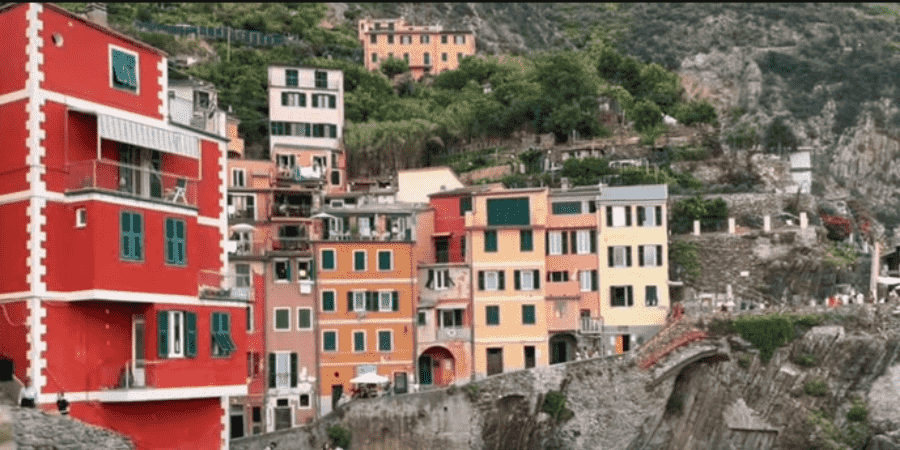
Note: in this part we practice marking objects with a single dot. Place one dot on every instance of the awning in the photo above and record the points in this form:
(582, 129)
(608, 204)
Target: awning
(134, 133)
(888, 280)
(452, 305)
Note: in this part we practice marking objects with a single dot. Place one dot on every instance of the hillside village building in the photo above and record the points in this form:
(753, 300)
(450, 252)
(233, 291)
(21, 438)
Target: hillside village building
(428, 49)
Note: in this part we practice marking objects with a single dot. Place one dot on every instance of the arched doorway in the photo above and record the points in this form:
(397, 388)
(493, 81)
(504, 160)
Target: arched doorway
(562, 348)
(437, 367)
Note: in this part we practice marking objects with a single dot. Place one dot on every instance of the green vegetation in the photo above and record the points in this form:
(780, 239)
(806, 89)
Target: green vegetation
(766, 333)
(779, 138)
(858, 412)
(394, 66)
(827, 435)
(840, 255)
(684, 260)
(806, 360)
(745, 360)
(711, 214)
(339, 436)
(472, 391)
(555, 405)
(815, 387)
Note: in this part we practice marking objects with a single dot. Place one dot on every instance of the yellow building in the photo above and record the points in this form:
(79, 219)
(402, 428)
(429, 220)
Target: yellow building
(505, 236)
(634, 294)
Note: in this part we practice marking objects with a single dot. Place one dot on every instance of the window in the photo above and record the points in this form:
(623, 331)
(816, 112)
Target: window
(327, 300)
(321, 79)
(282, 319)
(426, 59)
(443, 39)
(508, 211)
(406, 57)
(329, 341)
(132, 236)
(459, 57)
(465, 204)
(80, 217)
(335, 177)
(587, 280)
(566, 207)
(283, 371)
(650, 297)
(175, 242)
(528, 315)
(621, 296)
(526, 240)
(385, 341)
(359, 260)
(124, 71)
(650, 255)
(359, 301)
(374, 57)
(406, 40)
(359, 341)
(374, 39)
(491, 280)
(649, 216)
(385, 260)
(304, 401)
(222, 345)
(526, 280)
(241, 207)
(425, 39)
(439, 279)
(328, 260)
(303, 270)
(558, 277)
(530, 359)
(385, 301)
(490, 240)
(293, 99)
(421, 318)
(390, 38)
(618, 216)
(451, 318)
(249, 317)
(619, 256)
(304, 319)
(237, 178)
(583, 239)
(554, 243)
(177, 334)
(459, 39)
(282, 270)
(443, 56)
(285, 161)
(291, 77)
(492, 314)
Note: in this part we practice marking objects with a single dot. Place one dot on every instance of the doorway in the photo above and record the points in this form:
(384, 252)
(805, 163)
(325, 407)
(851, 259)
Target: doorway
(282, 415)
(494, 361)
(425, 370)
(237, 421)
(138, 358)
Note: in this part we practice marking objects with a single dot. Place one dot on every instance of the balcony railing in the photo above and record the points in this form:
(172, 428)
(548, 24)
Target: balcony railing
(125, 376)
(240, 213)
(248, 248)
(291, 244)
(591, 325)
(130, 181)
(289, 210)
(220, 286)
(300, 173)
(370, 236)
(184, 112)
(262, 247)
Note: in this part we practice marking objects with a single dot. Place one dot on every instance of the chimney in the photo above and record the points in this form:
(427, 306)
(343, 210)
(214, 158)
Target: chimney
(96, 12)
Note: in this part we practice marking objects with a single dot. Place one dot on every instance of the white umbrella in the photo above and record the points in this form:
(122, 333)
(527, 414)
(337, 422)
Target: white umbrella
(323, 215)
(242, 227)
(370, 378)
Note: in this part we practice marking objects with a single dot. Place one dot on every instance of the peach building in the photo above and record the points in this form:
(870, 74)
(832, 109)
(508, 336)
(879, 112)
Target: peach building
(506, 231)
(429, 49)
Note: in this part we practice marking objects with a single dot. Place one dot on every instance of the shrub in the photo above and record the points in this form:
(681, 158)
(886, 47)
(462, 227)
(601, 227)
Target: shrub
(858, 412)
(806, 360)
(684, 260)
(339, 435)
(766, 333)
(393, 67)
(815, 388)
(695, 112)
(472, 391)
(745, 360)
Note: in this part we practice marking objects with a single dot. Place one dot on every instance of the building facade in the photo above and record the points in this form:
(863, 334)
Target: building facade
(428, 49)
(115, 282)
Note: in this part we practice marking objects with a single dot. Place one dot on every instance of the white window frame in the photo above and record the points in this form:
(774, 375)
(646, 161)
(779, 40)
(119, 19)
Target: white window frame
(176, 321)
(310, 319)
(378, 339)
(649, 216)
(555, 238)
(137, 69)
(337, 343)
(390, 301)
(289, 157)
(275, 318)
(238, 175)
(491, 276)
(584, 280)
(80, 217)
(629, 302)
(365, 341)
(365, 261)
(359, 301)
(244, 203)
(441, 277)
(649, 255)
(529, 275)
(287, 262)
(584, 242)
(285, 359)
(618, 216)
(378, 258)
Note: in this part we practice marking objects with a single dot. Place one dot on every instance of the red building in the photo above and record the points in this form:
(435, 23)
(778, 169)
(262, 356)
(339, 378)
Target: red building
(113, 247)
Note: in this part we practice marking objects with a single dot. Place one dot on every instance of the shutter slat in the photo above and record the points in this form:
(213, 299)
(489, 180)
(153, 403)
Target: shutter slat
(628, 256)
(641, 255)
(659, 255)
(627, 216)
(162, 326)
(593, 235)
(517, 283)
(190, 328)
(609, 254)
(349, 301)
(480, 280)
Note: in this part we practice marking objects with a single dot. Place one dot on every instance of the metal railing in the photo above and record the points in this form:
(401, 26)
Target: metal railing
(223, 286)
(184, 112)
(119, 376)
(291, 244)
(289, 210)
(371, 236)
(132, 181)
(241, 213)
(300, 173)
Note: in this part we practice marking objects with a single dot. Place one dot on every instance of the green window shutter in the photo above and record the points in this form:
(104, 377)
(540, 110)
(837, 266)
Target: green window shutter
(547, 243)
(124, 71)
(125, 233)
(162, 327)
(395, 301)
(517, 284)
(271, 369)
(138, 230)
(565, 242)
(493, 315)
(609, 215)
(537, 279)
(574, 241)
(490, 241)
(329, 341)
(170, 241)
(284, 99)
(610, 257)
(294, 370)
(225, 332)
(508, 211)
(628, 256)
(430, 282)
(526, 240)
(627, 216)
(384, 260)
(371, 301)
(630, 295)
(465, 204)
(566, 208)
(594, 284)
(328, 259)
(528, 315)
(640, 255)
(190, 333)
(593, 241)
(349, 301)
(642, 215)
(359, 261)
(384, 341)
(328, 301)
(658, 220)
(501, 280)
(181, 242)
(332, 101)
(480, 280)
(315, 100)
(659, 255)
(359, 342)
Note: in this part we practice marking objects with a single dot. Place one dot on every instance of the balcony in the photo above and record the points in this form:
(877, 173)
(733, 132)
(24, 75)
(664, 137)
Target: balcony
(125, 180)
(262, 247)
(289, 210)
(248, 248)
(300, 174)
(184, 112)
(213, 285)
(396, 236)
(147, 381)
(291, 244)
(591, 325)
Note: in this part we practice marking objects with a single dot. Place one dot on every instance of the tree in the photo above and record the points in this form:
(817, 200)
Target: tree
(695, 112)
(394, 66)
(779, 137)
(645, 114)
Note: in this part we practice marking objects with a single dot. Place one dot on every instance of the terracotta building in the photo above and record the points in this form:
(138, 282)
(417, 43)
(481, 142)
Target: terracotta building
(429, 49)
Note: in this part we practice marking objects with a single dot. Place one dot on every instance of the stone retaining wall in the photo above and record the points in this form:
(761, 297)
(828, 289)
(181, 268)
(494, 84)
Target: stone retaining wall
(756, 204)
(37, 430)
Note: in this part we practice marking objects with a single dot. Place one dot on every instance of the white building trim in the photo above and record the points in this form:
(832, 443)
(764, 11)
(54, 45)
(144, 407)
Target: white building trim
(14, 96)
(36, 345)
(367, 281)
(150, 394)
(223, 205)
(163, 67)
(131, 203)
(209, 221)
(226, 423)
(365, 320)
(140, 297)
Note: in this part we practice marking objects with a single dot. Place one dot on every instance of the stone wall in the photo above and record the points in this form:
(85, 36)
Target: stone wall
(755, 204)
(487, 173)
(37, 430)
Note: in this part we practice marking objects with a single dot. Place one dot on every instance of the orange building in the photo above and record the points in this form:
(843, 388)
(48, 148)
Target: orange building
(429, 49)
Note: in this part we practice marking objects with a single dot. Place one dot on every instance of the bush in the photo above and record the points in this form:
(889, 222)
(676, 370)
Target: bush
(555, 406)
(766, 333)
(815, 388)
(806, 360)
(339, 435)
(745, 360)
(393, 67)
(695, 112)
(858, 412)
(684, 261)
